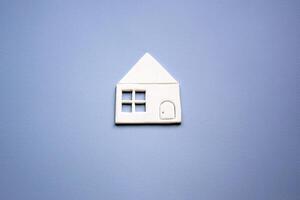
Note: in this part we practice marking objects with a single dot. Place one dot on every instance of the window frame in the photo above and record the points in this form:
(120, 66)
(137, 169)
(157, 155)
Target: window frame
(133, 101)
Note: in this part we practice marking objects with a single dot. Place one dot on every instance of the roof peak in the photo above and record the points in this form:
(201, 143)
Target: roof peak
(147, 70)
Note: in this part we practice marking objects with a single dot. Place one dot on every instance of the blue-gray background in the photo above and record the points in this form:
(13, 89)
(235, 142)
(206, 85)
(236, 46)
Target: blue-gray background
(238, 66)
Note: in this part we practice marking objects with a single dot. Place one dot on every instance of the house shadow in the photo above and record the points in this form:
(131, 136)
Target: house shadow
(148, 125)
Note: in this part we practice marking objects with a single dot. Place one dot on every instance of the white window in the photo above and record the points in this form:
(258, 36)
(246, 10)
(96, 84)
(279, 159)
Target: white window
(133, 101)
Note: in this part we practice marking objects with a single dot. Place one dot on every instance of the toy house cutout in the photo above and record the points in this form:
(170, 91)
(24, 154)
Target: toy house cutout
(147, 94)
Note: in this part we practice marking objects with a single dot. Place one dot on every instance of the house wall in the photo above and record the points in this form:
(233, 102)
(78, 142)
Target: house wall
(155, 95)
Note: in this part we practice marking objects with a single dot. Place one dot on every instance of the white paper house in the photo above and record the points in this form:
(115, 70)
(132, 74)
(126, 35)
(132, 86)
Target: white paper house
(147, 94)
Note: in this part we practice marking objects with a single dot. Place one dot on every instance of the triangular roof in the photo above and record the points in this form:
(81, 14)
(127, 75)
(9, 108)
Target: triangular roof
(147, 70)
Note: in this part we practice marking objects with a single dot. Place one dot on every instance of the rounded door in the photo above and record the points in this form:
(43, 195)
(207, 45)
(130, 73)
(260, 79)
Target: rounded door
(167, 110)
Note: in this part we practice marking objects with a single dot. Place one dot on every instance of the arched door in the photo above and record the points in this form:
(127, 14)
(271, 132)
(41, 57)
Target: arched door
(167, 110)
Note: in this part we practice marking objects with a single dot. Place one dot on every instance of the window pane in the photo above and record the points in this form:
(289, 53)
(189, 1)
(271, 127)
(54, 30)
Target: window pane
(140, 95)
(140, 107)
(126, 95)
(126, 107)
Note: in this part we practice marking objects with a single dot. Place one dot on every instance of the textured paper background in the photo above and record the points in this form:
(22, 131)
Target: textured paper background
(238, 65)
